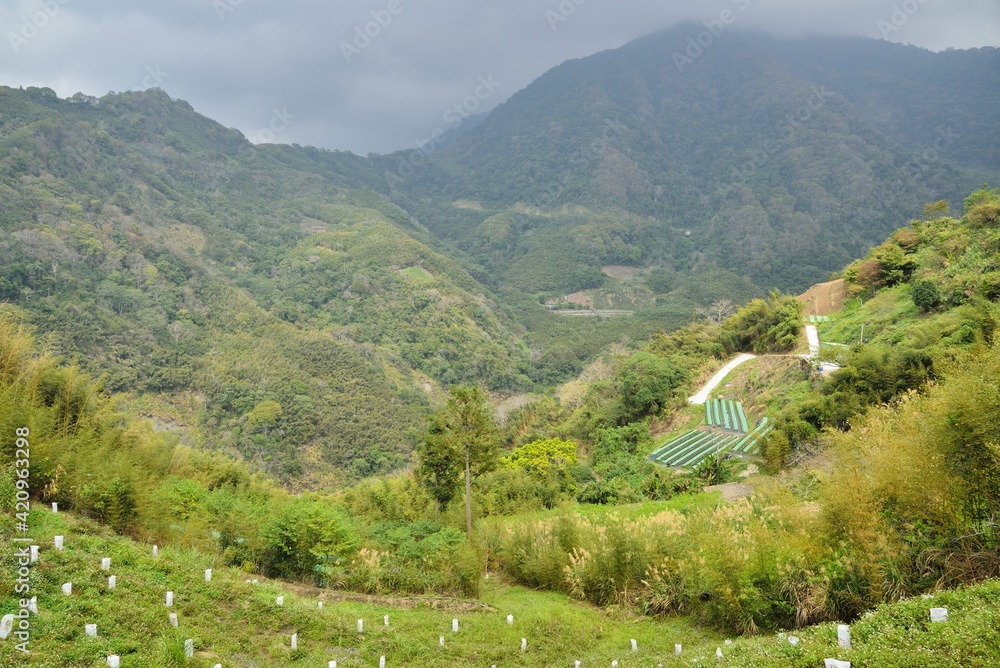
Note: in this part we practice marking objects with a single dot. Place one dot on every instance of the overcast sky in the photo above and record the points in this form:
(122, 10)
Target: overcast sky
(300, 67)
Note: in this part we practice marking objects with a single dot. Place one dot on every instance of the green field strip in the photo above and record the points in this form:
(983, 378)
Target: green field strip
(747, 441)
(685, 452)
(750, 442)
(729, 416)
(723, 444)
(742, 418)
(716, 445)
(755, 448)
(694, 456)
(762, 430)
(681, 444)
(667, 444)
(709, 412)
(739, 445)
(680, 441)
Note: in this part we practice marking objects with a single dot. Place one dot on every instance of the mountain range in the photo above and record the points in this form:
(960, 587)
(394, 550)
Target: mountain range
(304, 308)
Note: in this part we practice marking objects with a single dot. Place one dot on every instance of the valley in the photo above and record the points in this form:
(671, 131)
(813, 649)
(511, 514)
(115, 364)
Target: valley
(558, 372)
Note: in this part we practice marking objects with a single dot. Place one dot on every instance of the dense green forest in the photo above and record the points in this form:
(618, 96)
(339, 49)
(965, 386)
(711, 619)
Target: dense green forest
(779, 159)
(267, 301)
(305, 309)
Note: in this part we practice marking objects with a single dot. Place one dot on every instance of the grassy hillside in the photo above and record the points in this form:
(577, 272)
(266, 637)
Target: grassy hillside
(163, 251)
(235, 620)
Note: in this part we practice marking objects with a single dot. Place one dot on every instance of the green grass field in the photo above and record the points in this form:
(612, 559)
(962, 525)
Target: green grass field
(235, 622)
(418, 274)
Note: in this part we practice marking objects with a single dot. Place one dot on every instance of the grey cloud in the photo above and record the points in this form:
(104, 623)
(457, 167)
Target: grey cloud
(239, 60)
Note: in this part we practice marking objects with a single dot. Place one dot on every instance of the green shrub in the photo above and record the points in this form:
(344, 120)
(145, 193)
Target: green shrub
(307, 537)
(925, 294)
(111, 501)
(647, 383)
(764, 326)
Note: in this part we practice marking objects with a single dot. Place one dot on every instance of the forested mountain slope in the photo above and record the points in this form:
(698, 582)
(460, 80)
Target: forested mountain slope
(777, 159)
(304, 307)
(265, 295)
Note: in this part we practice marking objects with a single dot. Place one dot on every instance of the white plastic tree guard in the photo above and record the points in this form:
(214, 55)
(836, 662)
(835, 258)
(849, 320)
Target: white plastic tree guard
(844, 636)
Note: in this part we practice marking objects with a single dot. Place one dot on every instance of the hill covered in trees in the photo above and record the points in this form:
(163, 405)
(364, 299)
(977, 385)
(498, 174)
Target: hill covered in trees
(305, 308)
(776, 159)
(265, 296)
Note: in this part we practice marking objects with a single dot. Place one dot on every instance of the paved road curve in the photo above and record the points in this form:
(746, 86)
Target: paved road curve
(702, 395)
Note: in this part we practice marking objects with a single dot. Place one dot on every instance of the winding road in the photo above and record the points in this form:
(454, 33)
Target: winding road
(702, 395)
(811, 335)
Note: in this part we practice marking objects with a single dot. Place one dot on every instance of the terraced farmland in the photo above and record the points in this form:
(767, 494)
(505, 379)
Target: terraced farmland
(726, 414)
(691, 448)
(751, 443)
(727, 432)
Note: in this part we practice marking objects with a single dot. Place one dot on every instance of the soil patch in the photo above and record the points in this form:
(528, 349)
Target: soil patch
(620, 271)
(581, 298)
(731, 491)
(824, 298)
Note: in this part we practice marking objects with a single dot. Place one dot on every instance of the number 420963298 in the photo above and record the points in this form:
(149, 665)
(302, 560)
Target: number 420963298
(22, 461)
